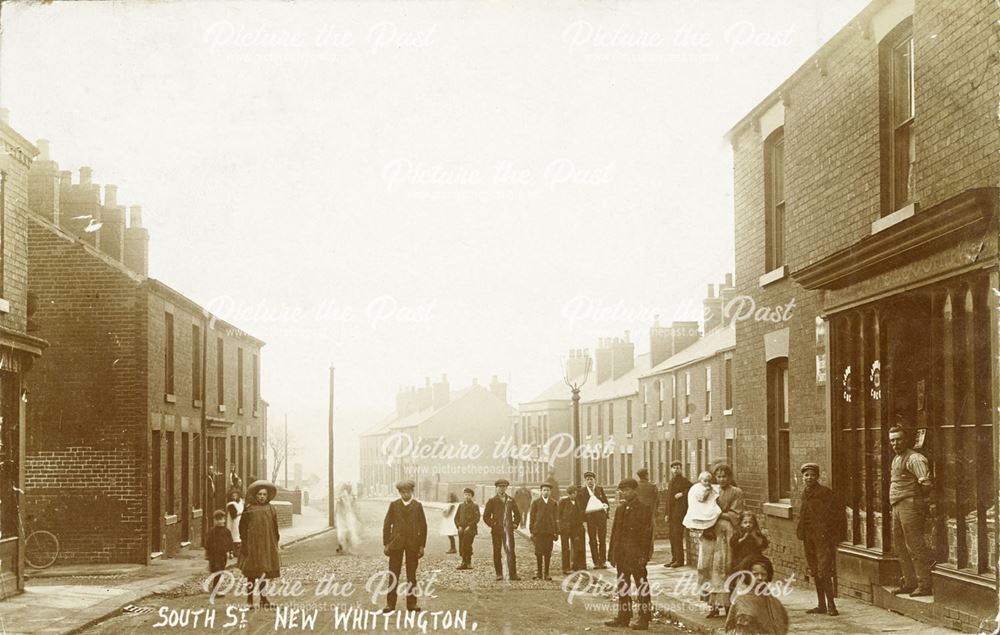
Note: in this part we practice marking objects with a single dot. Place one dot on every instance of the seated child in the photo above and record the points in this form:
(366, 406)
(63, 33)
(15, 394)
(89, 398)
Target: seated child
(747, 544)
(218, 544)
(703, 508)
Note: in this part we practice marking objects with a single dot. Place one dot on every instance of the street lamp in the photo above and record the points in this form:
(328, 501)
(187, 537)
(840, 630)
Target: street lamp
(576, 369)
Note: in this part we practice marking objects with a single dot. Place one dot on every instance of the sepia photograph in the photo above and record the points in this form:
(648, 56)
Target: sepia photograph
(499, 316)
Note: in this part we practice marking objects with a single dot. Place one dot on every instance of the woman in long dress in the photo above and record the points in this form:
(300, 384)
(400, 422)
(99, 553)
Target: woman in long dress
(259, 559)
(347, 522)
(730, 502)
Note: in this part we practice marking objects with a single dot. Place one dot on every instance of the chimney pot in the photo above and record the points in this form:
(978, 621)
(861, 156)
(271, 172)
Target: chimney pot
(729, 280)
(110, 196)
(711, 290)
(85, 175)
(43, 149)
(65, 178)
(135, 220)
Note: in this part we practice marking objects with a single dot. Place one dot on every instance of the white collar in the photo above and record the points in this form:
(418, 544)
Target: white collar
(406, 502)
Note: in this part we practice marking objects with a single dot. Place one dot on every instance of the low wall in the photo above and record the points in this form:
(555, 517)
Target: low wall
(284, 509)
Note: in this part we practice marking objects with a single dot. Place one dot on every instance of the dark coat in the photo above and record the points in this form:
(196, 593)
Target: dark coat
(583, 495)
(405, 526)
(631, 535)
(498, 511)
(570, 516)
(467, 518)
(543, 517)
(677, 508)
(218, 544)
(821, 517)
(648, 495)
(744, 552)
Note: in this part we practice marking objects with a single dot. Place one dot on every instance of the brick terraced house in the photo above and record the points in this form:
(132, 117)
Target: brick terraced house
(866, 191)
(18, 349)
(148, 403)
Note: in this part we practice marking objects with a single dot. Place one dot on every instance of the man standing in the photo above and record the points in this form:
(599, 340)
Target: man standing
(522, 498)
(677, 507)
(467, 521)
(649, 497)
(821, 526)
(404, 533)
(544, 527)
(629, 553)
(910, 491)
(594, 504)
(571, 532)
(503, 517)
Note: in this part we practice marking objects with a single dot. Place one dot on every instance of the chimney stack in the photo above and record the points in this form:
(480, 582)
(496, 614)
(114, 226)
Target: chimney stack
(622, 356)
(602, 355)
(442, 393)
(136, 255)
(578, 364)
(499, 389)
(44, 184)
(110, 196)
(712, 313)
(667, 341)
(111, 236)
(86, 174)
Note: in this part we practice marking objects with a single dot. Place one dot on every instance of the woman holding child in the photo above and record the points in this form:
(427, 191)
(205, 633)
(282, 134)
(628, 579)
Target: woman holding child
(713, 515)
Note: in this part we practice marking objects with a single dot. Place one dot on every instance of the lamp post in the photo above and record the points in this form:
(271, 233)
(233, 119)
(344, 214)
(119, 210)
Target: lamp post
(576, 369)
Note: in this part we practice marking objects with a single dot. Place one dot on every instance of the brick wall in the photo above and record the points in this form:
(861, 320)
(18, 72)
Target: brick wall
(832, 190)
(86, 426)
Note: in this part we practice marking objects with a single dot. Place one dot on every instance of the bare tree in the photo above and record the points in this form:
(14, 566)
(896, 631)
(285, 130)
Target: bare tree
(281, 450)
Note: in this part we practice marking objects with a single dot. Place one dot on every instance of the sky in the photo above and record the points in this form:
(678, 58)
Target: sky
(409, 189)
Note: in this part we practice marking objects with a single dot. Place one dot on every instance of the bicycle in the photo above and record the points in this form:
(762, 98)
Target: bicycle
(41, 547)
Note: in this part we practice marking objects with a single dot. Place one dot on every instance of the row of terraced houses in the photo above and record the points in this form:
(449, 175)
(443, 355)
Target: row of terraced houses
(866, 240)
(126, 408)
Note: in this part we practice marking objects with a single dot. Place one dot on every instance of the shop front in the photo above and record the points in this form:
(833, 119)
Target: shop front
(913, 329)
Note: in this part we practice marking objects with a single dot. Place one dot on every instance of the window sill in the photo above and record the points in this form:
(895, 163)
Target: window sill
(255, 415)
(659, 423)
(727, 412)
(196, 403)
(773, 276)
(686, 420)
(894, 218)
(196, 513)
(4, 306)
(628, 436)
(222, 407)
(707, 418)
(780, 509)
(645, 425)
(186, 543)
(239, 411)
(673, 421)
(169, 398)
(170, 520)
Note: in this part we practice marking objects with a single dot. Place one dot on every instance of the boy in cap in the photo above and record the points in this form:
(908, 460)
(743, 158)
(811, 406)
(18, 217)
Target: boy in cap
(571, 532)
(467, 521)
(503, 517)
(544, 527)
(821, 526)
(404, 534)
(594, 504)
(629, 552)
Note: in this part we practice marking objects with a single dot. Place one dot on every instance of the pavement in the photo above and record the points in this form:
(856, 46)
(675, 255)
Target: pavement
(68, 598)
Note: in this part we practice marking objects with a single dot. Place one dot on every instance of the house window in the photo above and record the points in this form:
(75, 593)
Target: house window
(611, 469)
(600, 419)
(628, 417)
(3, 227)
(774, 199)
(729, 453)
(239, 378)
(687, 393)
(195, 362)
(728, 363)
(220, 377)
(673, 397)
(701, 456)
(659, 395)
(590, 420)
(896, 89)
(645, 403)
(611, 420)
(168, 362)
(779, 451)
(685, 459)
(256, 381)
(708, 391)
(196, 466)
(169, 475)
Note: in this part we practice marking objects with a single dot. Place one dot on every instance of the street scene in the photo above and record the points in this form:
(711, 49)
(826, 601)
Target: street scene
(500, 317)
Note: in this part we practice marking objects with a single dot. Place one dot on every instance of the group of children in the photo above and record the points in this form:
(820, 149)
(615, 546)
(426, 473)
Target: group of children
(249, 533)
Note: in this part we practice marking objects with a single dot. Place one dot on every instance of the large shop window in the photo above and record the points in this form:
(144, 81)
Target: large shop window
(921, 360)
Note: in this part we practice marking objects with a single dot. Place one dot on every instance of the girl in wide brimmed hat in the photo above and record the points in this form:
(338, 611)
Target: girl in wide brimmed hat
(259, 557)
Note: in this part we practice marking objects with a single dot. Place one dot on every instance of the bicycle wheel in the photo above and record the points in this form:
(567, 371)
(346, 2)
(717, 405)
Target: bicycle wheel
(41, 548)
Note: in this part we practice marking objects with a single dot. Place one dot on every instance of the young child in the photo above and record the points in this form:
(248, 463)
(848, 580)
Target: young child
(218, 544)
(703, 508)
(747, 544)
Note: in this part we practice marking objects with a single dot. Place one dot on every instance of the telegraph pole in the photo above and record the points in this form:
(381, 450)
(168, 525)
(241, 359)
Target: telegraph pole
(286, 450)
(330, 497)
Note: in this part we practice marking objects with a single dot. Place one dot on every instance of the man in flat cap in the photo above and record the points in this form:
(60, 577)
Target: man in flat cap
(404, 534)
(821, 526)
(544, 527)
(629, 552)
(503, 517)
(911, 493)
(594, 504)
(467, 521)
(677, 507)
(571, 532)
(648, 496)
